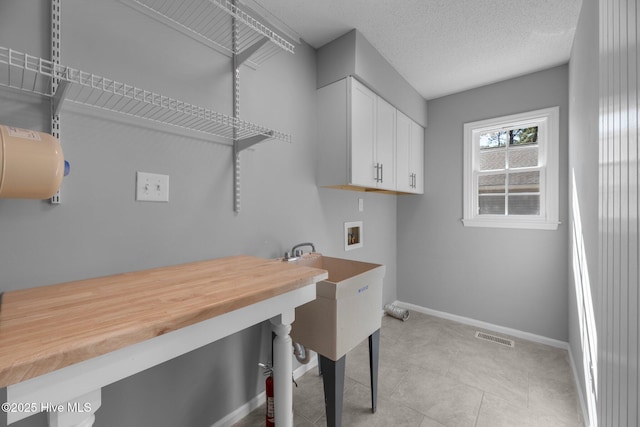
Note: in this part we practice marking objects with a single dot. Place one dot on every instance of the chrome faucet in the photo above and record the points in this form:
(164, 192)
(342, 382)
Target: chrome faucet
(297, 253)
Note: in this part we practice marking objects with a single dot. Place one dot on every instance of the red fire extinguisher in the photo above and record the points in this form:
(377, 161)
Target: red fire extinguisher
(270, 419)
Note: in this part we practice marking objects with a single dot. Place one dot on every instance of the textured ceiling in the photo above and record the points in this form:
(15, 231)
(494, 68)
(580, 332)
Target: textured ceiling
(442, 46)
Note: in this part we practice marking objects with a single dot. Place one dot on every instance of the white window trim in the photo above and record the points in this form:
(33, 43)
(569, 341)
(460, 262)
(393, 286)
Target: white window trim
(548, 120)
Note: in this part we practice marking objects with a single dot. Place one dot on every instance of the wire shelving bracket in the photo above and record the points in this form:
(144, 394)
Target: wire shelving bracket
(210, 21)
(36, 75)
(226, 27)
(56, 86)
(220, 23)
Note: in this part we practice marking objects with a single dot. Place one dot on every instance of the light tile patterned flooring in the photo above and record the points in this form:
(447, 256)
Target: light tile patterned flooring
(434, 372)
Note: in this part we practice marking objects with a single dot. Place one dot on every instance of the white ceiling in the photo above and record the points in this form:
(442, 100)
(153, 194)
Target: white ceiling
(442, 46)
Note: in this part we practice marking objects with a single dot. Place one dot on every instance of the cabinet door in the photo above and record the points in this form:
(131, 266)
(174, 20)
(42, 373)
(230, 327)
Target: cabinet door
(362, 163)
(416, 164)
(385, 151)
(404, 178)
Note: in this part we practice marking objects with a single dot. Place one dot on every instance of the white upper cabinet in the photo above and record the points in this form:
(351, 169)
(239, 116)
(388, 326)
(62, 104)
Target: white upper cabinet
(403, 152)
(385, 145)
(358, 133)
(416, 157)
(361, 143)
(410, 155)
(372, 141)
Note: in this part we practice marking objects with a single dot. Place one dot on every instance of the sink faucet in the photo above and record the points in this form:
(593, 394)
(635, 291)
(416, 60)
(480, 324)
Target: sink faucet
(300, 245)
(297, 253)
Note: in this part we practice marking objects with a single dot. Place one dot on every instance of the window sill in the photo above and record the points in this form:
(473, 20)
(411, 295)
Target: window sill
(507, 223)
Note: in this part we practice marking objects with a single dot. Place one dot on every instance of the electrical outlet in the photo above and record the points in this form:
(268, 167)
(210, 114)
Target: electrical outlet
(152, 187)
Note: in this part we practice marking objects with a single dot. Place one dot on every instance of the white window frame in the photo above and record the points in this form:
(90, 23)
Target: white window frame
(547, 121)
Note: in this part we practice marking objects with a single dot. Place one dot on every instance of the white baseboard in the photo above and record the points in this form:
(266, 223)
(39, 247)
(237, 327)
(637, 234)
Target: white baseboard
(257, 401)
(514, 333)
(581, 398)
(242, 411)
(303, 369)
(254, 403)
(485, 325)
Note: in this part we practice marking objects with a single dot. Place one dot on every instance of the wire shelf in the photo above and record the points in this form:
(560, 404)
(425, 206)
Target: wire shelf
(36, 75)
(210, 20)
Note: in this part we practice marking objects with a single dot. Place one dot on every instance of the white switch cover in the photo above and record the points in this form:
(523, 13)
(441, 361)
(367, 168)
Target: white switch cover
(360, 205)
(152, 187)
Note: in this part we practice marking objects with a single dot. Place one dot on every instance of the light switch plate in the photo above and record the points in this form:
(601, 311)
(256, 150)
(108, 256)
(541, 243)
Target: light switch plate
(152, 187)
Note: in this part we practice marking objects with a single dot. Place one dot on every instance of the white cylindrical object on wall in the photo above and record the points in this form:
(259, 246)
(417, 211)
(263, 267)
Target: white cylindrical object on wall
(31, 164)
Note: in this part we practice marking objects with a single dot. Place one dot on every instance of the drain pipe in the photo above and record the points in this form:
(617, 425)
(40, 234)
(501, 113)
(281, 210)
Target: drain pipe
(397, 312)
(302, 354)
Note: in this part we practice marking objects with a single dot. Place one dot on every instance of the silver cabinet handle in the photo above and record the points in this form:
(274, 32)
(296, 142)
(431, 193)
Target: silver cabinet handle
(377, 168)
(381, 172)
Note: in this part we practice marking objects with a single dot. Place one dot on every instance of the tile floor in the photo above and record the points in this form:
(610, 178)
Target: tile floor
(434, 372)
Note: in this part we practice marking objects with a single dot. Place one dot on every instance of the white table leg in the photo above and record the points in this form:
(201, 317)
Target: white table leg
(79, 412)
(283, 369)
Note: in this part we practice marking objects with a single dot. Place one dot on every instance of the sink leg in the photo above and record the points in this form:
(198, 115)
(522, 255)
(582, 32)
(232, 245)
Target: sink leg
(333, 380)
(374, 350)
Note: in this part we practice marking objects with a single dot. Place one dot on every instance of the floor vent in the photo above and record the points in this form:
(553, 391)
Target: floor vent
(493, 338)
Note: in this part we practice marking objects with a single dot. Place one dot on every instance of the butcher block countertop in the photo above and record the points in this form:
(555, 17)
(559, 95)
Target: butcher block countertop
(50, 327)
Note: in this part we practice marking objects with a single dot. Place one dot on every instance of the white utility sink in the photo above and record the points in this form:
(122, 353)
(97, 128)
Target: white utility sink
(347, 308)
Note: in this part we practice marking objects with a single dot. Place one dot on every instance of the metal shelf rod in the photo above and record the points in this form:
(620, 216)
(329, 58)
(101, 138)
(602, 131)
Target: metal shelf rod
(36, 75)
(213, 21)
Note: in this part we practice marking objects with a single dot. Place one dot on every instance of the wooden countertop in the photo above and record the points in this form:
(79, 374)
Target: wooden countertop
(47, 328)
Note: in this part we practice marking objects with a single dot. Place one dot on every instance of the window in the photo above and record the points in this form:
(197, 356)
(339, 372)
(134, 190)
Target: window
(511, 171)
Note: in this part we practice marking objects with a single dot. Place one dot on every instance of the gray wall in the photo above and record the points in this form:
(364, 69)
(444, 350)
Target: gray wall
(512, 278)
(99, 229)
(583, 189)
(353, 55)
